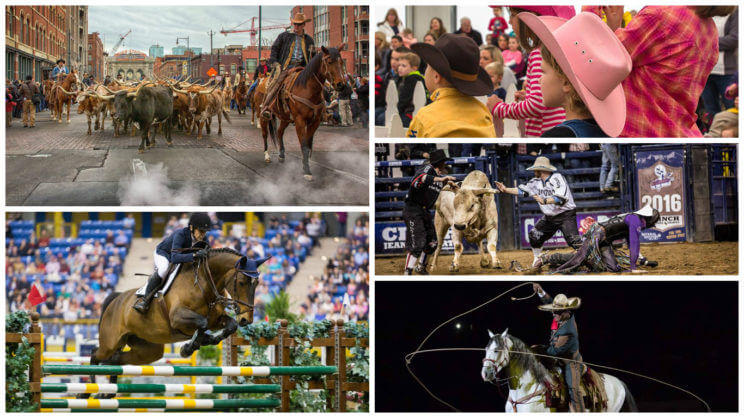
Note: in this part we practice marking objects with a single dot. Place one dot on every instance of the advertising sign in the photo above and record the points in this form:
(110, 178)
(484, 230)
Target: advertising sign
(526, 223)
(390, 238)
(661, 183)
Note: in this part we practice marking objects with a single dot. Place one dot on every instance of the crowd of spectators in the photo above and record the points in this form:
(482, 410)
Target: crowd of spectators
(347, 272)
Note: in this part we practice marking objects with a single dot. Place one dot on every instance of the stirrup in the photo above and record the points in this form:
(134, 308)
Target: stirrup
(142, 305)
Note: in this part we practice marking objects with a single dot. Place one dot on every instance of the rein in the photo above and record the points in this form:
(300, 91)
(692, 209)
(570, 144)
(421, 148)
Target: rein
(314, 106)
(228, 303)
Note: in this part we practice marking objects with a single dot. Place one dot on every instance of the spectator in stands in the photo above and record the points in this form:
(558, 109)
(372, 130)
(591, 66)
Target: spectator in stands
(171, 226)
(216, 221)
(430, 38)
(529, 106)
(315, 229)
(392, 25)
(409, 77)
(436, 27)
(513, 55)
(466, 28)
(503, 42)
(382, 47)
(43, 238)
(396, 42)
(109, 236)
(453, 77)
(121, 239)
(610, 164)
(129, 221)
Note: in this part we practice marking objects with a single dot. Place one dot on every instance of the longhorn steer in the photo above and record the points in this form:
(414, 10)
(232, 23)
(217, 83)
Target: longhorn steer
(471, 211)
(146, 106)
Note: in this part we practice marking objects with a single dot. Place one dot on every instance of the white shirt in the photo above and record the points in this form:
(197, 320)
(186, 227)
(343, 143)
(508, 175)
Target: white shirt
(555, 186)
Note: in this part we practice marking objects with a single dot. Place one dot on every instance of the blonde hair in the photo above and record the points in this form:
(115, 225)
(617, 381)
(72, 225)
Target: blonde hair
(407, 31)
(574, 100)
(495, 53)
(412, 59)
(395, 12)
(383, 40)
(496, 67)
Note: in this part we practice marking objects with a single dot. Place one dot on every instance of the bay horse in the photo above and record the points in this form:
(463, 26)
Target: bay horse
(300, 100)
(197, 301)
(64, 94)
(240, 96)
(530, 381)
(255, 98)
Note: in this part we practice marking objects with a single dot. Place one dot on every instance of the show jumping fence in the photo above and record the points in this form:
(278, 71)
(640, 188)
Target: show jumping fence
(334, 373)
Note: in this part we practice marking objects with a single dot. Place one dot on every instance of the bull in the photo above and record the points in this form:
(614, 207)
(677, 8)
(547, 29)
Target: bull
(203, 105)
(145, 106)
(471, 211)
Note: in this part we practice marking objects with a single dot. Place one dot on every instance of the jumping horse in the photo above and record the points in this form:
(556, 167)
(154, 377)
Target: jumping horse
(300, 100)
(197, 302)
(530, 382)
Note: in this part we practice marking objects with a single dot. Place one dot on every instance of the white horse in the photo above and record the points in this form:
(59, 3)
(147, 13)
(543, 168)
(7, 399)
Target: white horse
(526, 377)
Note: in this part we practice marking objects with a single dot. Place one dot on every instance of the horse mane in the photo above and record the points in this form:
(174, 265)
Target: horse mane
(224, 250)
(526, 361)
(312, 68)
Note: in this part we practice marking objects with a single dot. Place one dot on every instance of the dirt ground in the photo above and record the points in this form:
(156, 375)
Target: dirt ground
(708, 258)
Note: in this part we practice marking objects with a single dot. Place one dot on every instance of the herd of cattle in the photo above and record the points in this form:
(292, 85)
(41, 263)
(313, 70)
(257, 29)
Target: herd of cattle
(161, 103)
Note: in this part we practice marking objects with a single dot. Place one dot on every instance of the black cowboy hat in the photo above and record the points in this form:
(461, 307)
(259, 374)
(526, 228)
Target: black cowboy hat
(457, 58)
(62, 61)
(437, 157)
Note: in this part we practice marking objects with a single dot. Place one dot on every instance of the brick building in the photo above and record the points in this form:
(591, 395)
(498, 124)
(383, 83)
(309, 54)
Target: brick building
(250, 58)
(95, 56)
(35, 37)
(332, 26)
(77, 38)
(223, 63)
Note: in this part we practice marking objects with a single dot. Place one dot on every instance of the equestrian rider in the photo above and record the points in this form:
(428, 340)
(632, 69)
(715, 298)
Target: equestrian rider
(261, 69)
(239, 77)
(550, 190)
(59, 68)
(597, 251)
(169, 252)
(564, 342)
(421, 238)
(290, 49)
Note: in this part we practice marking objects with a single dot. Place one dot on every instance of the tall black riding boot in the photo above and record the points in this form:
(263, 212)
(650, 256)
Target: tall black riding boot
(153, 284)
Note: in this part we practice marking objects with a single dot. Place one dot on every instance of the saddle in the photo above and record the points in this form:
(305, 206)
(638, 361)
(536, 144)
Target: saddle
(284, 94)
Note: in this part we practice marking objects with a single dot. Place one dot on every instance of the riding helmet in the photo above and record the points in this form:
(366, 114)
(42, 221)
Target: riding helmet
(201, 221)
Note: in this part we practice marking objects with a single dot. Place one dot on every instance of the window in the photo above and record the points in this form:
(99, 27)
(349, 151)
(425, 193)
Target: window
(233, 69)
(250, 65)
(9, 18)
(10, 65)
(21, 28)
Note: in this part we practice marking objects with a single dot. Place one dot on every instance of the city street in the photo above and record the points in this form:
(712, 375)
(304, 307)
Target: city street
(59, 164)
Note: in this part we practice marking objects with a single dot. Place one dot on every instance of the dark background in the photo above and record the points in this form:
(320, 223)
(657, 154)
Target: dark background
(683, 333)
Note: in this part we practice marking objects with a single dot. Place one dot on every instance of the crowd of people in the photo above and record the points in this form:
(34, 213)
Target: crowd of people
(663, 71)
(74, 280)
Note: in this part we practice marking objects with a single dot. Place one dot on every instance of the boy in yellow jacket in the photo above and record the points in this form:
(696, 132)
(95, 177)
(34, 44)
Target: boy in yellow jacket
(453, 76)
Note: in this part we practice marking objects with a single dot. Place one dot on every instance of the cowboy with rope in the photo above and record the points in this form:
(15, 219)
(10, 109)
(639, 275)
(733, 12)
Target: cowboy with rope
(564, 341)
(290, 49)
(170, 251)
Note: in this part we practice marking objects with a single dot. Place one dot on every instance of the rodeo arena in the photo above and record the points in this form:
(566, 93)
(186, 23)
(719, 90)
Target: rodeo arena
(491, 217)
(263, 312)
(191, 128)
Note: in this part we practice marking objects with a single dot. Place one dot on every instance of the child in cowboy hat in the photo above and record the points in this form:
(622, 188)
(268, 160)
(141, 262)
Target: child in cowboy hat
(583, 67)
(453, 76)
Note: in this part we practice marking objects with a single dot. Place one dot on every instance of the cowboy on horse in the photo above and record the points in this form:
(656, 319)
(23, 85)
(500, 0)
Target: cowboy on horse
(168, 252)
(564, 341)
(60, 68)
(290, 49)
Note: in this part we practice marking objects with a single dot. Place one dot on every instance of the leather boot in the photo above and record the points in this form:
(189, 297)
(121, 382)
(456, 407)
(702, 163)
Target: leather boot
(153, 284)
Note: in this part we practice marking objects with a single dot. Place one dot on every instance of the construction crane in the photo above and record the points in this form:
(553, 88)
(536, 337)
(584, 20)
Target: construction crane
(118, 44)
(253, 30)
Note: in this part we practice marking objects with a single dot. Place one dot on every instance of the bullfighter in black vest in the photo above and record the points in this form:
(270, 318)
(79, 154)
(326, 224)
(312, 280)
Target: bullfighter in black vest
(290, 49)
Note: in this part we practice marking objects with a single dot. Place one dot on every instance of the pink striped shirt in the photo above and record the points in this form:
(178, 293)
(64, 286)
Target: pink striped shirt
(538, 118)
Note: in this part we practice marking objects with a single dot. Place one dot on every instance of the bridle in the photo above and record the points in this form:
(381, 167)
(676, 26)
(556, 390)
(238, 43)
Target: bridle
(499, 381)
(228, 303)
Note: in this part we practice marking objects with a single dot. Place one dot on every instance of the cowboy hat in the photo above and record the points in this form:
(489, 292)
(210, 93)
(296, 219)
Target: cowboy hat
(565, 12)
(561, 303)
(456, 58)
(593, 59)
(649, 212)
(542, 164)
(61, 60)
(437, 157)
(299, 18)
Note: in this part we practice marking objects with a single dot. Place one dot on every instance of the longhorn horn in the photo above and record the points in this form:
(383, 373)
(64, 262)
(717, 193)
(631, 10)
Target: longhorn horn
(108, 90)
(208, 92)
(174, 88)
(133, 94)
(106, 97)
(65, 91)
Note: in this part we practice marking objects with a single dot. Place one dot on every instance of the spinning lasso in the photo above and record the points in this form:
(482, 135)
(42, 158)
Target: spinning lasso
(409, 356)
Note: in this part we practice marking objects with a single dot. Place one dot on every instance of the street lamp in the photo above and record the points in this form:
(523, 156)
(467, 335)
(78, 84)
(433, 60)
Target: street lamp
(188, 49)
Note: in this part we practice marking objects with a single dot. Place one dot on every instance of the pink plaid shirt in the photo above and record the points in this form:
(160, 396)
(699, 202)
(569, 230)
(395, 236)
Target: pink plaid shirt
(673, 52)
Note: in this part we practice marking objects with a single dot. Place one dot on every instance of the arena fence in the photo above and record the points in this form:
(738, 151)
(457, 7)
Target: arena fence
(335, 378)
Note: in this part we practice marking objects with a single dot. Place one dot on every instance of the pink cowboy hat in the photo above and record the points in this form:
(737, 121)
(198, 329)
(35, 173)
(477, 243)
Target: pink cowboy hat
(565, 12)
(593, 59)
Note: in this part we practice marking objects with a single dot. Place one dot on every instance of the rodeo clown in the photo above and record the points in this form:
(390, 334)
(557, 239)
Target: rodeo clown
(597, 252)
(564, 342)
(169, 252)
(421, 238)
(550, 190)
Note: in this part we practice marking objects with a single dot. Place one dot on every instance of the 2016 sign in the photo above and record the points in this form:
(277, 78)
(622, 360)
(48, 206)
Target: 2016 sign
(661, 184)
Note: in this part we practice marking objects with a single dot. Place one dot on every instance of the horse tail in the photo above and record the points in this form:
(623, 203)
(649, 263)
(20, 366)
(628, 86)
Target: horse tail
(629, 404)
(272, 130)
(226, 116)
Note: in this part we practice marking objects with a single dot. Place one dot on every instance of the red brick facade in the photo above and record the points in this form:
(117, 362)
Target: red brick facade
(95, 56)
(200, 64)
(35, 37)
(335, 25)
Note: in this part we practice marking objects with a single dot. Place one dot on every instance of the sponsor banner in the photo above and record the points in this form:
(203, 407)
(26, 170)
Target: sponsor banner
(526, 223)
(390, 238)
(661, 183)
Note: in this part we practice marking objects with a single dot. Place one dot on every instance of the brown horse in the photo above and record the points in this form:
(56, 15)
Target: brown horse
(64, 94)
(49, 97)
(300, 100)
(255, 98)
(197, 301)
(240, 96)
